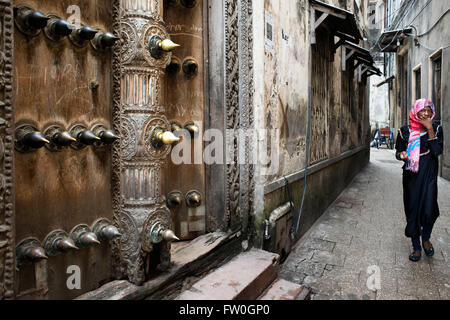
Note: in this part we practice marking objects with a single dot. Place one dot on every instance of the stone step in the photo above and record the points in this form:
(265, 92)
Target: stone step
(282, 289)
(245, 277)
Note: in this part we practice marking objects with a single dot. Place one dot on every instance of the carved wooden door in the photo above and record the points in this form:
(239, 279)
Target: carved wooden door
(63, 86)
(185, 97)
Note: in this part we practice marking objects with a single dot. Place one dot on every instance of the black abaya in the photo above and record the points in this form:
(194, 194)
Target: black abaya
(420, 189)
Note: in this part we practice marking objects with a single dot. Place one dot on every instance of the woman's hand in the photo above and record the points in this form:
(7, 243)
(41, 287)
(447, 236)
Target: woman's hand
(427, 123)
(404, 156)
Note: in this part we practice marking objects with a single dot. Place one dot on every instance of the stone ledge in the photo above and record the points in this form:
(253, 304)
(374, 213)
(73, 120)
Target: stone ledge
(299, 175)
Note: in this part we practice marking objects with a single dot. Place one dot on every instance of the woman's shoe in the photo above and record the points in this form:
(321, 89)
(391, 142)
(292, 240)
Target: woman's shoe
(430, 251)
(414, 257)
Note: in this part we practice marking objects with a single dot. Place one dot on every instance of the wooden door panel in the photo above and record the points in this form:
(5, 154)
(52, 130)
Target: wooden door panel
(185, 103)
(59, 83)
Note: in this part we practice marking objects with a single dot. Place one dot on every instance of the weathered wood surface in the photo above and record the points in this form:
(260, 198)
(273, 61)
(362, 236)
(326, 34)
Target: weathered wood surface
(59, 190)
(185, 97)
(194, 259)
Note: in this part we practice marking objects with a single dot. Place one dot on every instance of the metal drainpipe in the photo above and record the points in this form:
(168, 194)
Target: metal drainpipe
(308, 133)
(274, 216)
(266, 229)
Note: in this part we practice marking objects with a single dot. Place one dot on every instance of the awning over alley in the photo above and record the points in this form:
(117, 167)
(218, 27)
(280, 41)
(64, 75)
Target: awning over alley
(389, 41)
(341, 23)
(362, 56)
(387, 80)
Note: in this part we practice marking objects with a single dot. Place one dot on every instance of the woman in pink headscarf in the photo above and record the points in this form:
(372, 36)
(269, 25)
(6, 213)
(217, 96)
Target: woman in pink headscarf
(419, 146)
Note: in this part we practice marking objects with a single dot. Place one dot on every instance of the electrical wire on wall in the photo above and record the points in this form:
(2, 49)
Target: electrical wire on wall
(405, 13)
(411, 4)
(417, 36)
(435, 24)
(390, 15)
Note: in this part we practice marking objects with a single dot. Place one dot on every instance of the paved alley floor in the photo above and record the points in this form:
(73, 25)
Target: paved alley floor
(360, 238)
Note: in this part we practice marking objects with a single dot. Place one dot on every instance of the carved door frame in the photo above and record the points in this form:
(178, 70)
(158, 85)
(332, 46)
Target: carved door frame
(229, 101)
(230, 107)
(7, 218)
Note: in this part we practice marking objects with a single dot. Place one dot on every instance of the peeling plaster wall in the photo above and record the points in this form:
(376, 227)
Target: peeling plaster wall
(286, 82)
(285, 97)
(258, 107)
(280, 102)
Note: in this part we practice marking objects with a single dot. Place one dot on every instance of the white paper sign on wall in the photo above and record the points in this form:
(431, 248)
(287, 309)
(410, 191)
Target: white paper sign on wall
(269, 32)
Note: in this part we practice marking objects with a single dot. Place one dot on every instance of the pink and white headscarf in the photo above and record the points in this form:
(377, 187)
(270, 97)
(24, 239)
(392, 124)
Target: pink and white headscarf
(414, 135)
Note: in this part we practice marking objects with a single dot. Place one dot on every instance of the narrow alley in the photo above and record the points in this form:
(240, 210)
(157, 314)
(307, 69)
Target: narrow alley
(167, 150)
(365, 227)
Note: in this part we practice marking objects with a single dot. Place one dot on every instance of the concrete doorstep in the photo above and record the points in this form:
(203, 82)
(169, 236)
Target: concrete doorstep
(251, 275)
(193, 259)
(285, 290)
